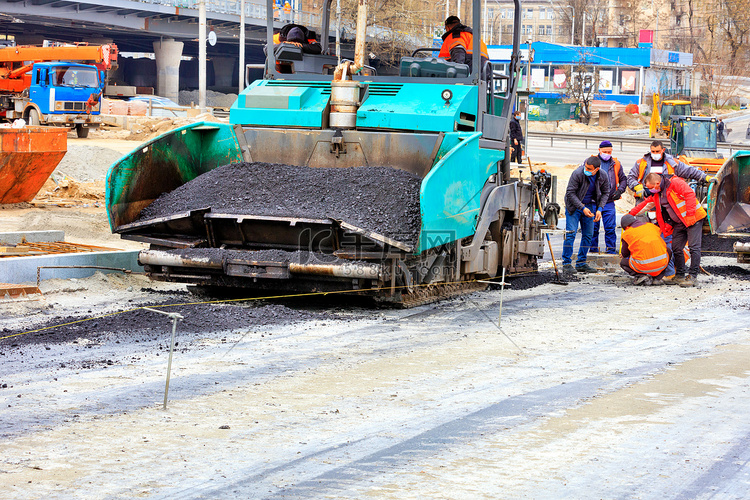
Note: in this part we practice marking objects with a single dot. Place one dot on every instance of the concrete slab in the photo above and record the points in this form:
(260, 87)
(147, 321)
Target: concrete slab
(603, 260)
(15, 238)
(23, 269)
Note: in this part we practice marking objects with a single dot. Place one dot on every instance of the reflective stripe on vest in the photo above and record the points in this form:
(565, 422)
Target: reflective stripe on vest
(652, 266)
(644, 164)
(648, 252)
(466, 40)
(680, 207)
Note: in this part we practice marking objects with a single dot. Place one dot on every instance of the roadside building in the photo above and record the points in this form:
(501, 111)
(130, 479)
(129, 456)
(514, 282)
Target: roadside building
(626, 75)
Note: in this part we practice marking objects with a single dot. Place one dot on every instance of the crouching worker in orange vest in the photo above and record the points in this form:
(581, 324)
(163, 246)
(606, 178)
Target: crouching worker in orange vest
(645, 255)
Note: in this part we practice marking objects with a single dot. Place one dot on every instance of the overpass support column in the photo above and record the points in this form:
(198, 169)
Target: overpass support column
(223, 70)
(168, 54)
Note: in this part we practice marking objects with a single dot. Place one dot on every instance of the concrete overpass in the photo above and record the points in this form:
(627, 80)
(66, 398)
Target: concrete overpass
(167, 28)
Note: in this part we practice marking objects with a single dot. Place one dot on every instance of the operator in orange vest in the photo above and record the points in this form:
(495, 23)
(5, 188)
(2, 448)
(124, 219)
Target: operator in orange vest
(679, 215)
(458, 43)
(645, 256)
(618, 183)
(658, 161)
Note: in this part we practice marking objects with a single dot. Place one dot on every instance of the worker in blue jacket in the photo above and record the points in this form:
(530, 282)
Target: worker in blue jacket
(585, 197)
(618, 183)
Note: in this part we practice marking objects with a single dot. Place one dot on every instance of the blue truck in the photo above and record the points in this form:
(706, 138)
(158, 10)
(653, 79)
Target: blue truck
(63, 94)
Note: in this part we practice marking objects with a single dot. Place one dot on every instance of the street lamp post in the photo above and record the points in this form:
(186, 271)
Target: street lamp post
(573, 24)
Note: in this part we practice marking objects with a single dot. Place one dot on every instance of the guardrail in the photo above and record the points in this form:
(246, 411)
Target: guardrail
(615, 139)
(253, 10)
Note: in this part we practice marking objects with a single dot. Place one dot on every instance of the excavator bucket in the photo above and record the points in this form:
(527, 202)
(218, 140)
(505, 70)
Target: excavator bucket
(28, 157)
(729, 198)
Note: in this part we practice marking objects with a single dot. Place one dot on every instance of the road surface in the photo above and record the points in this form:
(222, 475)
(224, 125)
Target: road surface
(597, 389)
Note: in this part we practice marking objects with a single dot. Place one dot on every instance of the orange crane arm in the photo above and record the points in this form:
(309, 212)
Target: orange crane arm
(103, 54)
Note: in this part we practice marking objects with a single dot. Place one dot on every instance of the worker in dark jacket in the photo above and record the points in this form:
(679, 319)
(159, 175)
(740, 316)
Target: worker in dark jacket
(516, 138)
(300, 36)
(458, 43)
(645, 255)
(586, 195)
(618, 183)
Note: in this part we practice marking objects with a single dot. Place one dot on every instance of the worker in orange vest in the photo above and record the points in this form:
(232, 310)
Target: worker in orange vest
(645, 255)
(287, 11)
(679, 215)
(458, 43)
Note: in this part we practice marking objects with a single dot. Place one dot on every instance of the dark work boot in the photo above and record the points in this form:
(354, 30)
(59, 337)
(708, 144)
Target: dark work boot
(688, 281)
(568, 269)
(585, 268)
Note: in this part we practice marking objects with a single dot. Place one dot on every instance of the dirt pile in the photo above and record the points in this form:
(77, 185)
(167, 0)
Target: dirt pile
(71, 189)
(213, 99)
(86, 163)
(146, 128)
(628, 120)
(380, 199)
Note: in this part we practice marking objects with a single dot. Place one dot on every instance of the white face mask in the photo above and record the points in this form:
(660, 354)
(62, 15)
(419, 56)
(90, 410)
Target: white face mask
(656, 156)
(605, 156)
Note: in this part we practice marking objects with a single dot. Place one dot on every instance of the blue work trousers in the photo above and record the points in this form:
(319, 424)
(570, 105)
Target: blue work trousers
(609, 220)
(670, 267)
(572, 221)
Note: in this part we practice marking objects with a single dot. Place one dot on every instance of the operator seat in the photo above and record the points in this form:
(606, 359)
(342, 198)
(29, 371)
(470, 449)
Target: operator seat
(432, 67)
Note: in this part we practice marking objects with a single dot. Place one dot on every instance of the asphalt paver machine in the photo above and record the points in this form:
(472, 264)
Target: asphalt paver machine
(443, 122)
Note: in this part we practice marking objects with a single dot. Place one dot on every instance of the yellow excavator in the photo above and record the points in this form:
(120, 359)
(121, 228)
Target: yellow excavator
(663, 110)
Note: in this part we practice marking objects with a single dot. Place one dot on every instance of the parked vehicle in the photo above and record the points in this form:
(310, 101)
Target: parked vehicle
(53, 86)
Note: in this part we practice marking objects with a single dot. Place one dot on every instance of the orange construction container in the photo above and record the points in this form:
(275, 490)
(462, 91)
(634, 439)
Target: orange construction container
(27, 158)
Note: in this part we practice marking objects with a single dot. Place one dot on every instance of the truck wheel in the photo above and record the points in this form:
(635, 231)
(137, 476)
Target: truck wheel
(81, 131)
(34, 118)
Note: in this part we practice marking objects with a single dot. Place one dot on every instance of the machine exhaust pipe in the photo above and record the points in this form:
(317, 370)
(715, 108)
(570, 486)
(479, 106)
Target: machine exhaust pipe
(160, 258)
(365, 271)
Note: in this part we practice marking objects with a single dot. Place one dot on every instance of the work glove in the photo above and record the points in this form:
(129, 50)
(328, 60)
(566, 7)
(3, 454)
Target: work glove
(617, 196)
(646, 192)
(711, 178)
(638, 191)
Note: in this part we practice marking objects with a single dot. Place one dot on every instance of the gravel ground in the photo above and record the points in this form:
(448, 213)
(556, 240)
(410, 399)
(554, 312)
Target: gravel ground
(646, 387)
(354, 195)
(86, 163)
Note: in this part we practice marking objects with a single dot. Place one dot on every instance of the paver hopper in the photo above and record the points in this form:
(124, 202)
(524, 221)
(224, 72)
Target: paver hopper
(28, 157)
(729, 198)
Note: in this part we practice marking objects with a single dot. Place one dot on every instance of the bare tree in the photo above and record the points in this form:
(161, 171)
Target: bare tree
(583, 87)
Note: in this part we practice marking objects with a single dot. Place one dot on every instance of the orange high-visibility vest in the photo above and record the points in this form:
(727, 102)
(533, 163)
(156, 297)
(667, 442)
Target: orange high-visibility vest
(642, 169)
(648, 252)
(466, 40)
(678, 204)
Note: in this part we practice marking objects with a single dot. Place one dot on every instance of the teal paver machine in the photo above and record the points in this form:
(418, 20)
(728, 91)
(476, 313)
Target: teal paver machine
(444, 122)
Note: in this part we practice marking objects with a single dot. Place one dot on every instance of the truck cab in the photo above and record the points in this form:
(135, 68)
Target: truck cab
(64, 94)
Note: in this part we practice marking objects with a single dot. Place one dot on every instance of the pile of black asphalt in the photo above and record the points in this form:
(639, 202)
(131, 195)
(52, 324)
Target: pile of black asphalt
(711, 243)
(383, 200)
(138, 324)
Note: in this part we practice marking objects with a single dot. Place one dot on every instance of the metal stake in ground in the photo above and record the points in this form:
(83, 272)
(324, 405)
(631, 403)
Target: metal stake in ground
(174, 317)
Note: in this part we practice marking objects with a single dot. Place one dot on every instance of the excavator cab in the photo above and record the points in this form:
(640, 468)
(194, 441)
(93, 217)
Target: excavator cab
(673, 107)
(693, 136)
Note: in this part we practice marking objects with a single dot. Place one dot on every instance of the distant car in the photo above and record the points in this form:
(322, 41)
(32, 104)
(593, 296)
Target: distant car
(162, 106)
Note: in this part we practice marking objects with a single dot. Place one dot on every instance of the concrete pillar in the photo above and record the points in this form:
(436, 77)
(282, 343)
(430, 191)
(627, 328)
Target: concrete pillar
(168, 53)
(223, 70)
